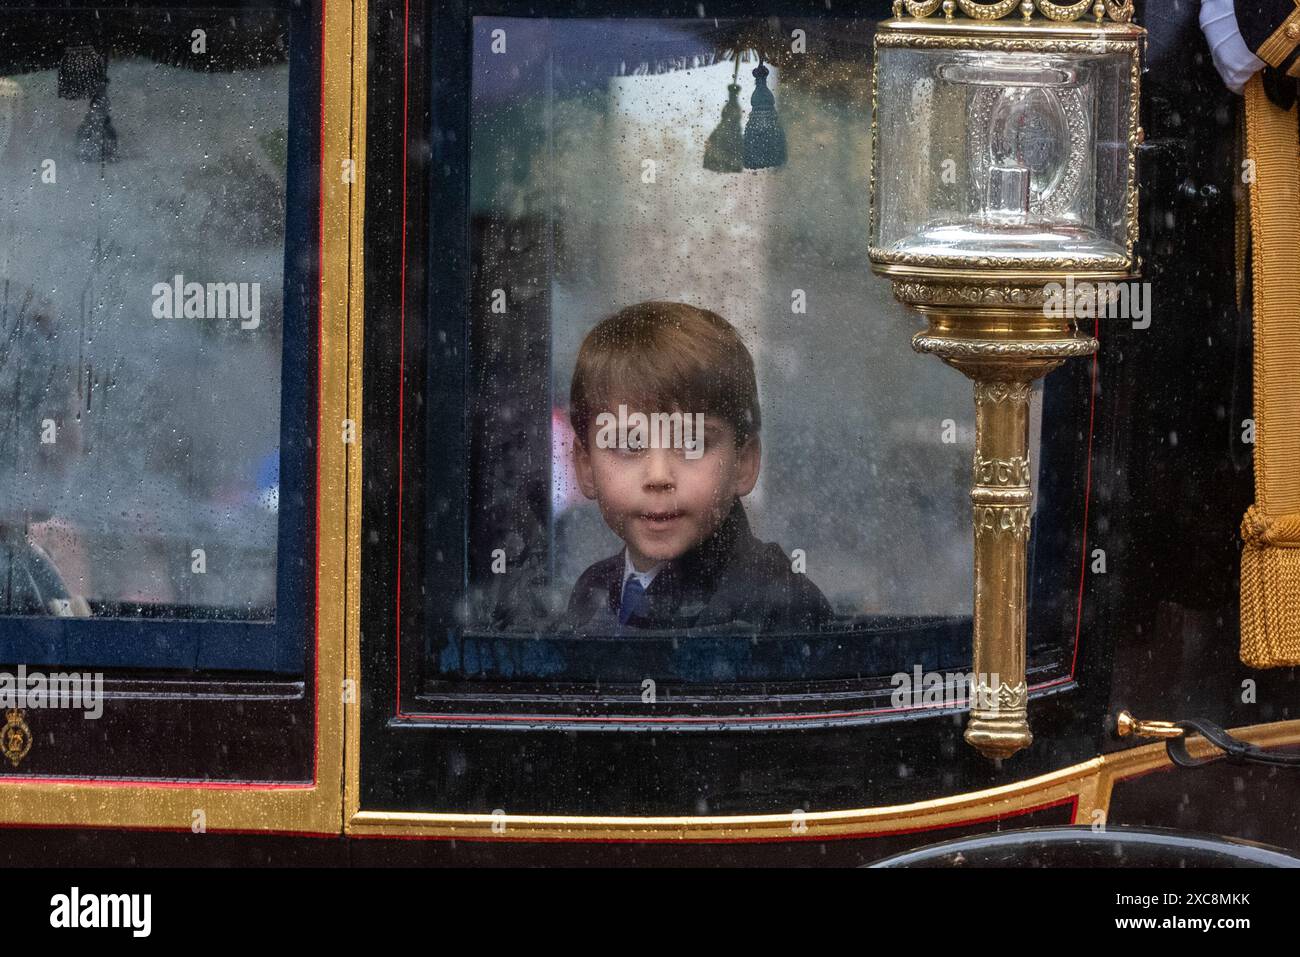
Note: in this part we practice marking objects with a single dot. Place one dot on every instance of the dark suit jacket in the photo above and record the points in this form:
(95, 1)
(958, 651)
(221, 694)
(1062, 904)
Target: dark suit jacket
(730, 579)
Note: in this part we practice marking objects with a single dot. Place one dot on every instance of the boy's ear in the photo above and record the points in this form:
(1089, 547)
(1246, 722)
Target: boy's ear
(582, 468)
(748, 459)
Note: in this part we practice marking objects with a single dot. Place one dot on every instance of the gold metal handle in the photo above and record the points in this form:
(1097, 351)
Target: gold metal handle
(1128, 725)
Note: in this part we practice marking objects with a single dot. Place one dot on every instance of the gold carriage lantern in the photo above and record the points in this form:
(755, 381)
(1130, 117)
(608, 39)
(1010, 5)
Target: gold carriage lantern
(1004, 150)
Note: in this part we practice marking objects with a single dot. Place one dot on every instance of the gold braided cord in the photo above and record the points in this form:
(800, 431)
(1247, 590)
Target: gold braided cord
(1275, 229)
(1241, 219)
(1270, 558)
(1260, 529)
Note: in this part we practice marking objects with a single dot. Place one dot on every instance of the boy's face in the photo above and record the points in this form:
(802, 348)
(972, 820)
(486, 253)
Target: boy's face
(661, 502)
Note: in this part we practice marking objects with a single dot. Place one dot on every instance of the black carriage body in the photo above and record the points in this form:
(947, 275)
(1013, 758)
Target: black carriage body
(1144, 460)
(1155, 397)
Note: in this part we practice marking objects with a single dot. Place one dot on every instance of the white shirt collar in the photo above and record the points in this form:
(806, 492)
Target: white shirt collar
(629, 571)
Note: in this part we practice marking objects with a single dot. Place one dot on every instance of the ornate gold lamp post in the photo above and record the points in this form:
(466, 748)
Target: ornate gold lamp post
(1003, 180)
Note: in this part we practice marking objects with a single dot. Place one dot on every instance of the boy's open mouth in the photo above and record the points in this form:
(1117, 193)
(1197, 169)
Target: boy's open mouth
(661, 518)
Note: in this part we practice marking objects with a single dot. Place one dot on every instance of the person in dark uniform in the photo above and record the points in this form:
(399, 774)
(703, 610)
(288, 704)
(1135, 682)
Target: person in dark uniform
(1255, 36)
(689, 558)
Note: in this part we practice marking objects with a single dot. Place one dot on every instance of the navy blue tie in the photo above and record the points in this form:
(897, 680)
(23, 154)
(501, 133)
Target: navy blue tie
(633, 602)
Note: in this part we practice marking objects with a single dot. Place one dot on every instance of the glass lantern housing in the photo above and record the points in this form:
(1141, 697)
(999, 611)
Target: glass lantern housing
(1010, 147)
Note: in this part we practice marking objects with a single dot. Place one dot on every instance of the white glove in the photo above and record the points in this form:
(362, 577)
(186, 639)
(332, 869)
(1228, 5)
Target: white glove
(1232, 58)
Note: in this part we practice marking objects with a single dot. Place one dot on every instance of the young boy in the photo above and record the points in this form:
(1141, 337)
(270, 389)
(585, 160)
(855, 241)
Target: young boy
(689, 559)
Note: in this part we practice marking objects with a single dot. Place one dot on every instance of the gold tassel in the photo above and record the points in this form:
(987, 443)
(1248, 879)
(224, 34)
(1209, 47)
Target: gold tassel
(1270, 559)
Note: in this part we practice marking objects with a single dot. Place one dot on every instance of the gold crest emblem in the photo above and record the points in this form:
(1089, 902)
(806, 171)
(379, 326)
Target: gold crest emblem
(15, 737)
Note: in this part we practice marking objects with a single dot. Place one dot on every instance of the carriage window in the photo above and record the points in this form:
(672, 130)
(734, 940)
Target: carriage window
(697, 440)
(153, 286)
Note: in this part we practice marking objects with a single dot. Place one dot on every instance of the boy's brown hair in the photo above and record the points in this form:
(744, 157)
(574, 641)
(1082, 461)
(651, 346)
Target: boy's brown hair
(665, 357)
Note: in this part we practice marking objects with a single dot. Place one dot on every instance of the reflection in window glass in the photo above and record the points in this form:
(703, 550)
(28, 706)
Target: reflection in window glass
(141, 296)
(701, 189)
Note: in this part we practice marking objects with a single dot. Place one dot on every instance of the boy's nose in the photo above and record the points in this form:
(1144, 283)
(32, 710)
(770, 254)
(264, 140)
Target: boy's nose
(659, 469)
